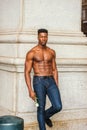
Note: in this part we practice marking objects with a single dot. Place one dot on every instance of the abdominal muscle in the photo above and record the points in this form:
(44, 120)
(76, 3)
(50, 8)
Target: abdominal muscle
(42, 68)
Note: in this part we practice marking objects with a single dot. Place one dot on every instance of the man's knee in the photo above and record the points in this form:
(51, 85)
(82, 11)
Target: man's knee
(58, 108)
(41, 109)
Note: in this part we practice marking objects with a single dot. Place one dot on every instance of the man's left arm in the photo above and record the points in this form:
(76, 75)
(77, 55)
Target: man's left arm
(55, 71)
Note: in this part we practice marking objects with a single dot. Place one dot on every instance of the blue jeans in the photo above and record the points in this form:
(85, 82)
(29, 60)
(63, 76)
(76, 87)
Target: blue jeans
(45, 85)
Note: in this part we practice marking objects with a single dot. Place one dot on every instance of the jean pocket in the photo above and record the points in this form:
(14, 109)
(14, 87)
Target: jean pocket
(52, 81)
(35, 81)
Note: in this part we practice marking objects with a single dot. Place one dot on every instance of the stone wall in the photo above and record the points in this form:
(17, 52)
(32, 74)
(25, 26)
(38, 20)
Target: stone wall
(19, 21)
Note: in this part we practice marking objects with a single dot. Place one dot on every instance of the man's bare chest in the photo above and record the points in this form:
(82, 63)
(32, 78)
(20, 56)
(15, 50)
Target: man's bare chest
(43, 56)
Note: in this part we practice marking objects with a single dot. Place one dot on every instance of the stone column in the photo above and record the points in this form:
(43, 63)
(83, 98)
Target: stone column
(19, 21)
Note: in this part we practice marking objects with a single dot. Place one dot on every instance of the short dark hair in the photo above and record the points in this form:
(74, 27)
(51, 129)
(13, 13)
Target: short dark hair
(42, 30)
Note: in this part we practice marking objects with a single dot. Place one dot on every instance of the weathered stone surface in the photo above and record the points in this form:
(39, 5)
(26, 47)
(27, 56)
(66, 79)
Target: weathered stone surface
(62, 125)
(19, 21)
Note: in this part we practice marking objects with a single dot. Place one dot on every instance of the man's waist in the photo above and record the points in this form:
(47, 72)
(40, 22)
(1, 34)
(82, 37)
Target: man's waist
(44, 77)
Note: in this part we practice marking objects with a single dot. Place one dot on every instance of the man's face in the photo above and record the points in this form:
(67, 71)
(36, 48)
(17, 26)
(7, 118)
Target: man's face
(42, 38)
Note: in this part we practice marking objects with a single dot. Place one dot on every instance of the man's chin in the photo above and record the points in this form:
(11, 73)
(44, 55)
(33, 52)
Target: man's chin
(43, 44)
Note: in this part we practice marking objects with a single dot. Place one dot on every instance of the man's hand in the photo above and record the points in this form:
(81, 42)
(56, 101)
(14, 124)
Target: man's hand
(32, 95)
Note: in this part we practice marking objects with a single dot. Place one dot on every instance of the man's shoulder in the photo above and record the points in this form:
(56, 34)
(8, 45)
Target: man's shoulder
(32, 51)
(51, 50)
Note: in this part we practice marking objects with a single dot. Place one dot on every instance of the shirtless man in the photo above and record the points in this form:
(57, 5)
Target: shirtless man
(45, 81)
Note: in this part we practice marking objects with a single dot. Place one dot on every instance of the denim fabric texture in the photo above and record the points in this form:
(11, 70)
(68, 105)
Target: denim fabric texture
(46, 85)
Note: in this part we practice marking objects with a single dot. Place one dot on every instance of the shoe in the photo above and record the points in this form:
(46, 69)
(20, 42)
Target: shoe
(49, 122)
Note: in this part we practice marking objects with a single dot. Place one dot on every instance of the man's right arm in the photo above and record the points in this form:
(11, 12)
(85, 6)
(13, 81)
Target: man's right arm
(28, 67)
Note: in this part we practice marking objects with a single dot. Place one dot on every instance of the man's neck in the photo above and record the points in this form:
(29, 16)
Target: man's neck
(42, 46)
